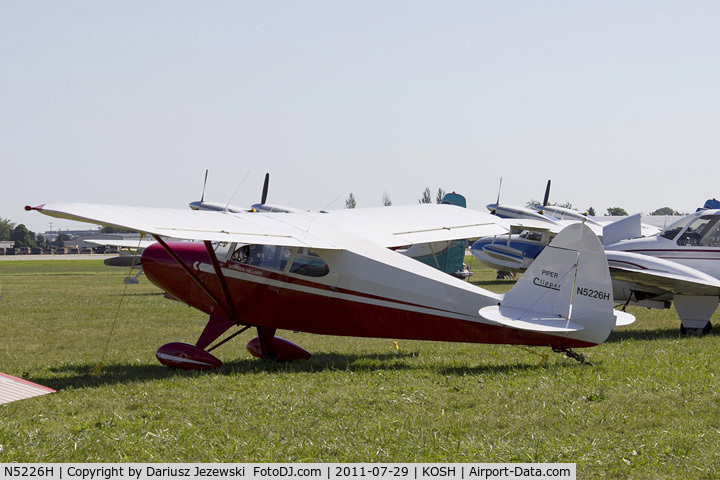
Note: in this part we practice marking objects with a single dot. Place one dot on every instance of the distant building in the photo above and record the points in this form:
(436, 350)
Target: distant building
(51, 236)
(80, 239)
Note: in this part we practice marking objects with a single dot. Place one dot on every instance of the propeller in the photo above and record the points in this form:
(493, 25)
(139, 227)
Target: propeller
(200, 204)
(265, 189)
(499, 188)
(202, 198)
(547, 194)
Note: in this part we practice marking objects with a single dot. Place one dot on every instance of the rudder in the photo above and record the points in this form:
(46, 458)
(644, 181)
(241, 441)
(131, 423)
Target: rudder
(566, 291)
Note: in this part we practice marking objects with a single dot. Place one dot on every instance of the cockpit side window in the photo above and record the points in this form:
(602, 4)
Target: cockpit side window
(271, 257)
(711, 236)
(309, 263)
(532, 236)
(699, 232)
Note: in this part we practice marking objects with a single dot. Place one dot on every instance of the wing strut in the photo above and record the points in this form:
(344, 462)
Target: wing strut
(192, 274)
(230, 306)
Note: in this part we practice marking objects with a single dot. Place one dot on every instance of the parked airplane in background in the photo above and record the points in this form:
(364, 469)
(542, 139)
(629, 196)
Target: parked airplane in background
(556, 218)
(131, 249)
(510, 211)
(612, 230)
(681, 264)
(445, 256)
(335, 273)
(263, 206)
(130, 253)
(515, 251)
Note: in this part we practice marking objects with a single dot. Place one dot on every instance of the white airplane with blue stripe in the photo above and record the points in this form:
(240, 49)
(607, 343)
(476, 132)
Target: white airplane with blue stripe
(679, 265)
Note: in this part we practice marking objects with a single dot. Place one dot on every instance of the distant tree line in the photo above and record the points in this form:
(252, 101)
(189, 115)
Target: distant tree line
(20, 235)
(611, 211)
(426, 197)
(23, 237)
(666, 211)
(621, 212)
(617, 212)
(535, 203)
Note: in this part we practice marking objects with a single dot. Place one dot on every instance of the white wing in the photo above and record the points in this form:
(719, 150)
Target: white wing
(412, 224)
(660, 276)
(385, 226)
(257, 228)
(122, 243)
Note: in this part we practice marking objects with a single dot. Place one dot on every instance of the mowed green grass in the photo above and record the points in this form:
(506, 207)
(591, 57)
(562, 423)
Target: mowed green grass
(647, 407)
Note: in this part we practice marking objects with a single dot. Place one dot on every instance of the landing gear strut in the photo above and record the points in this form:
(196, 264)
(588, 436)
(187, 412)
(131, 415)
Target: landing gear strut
(570, 354)
(198, 356)
(266, 345)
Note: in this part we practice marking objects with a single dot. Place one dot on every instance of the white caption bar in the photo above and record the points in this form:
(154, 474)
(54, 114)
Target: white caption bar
(289, 471)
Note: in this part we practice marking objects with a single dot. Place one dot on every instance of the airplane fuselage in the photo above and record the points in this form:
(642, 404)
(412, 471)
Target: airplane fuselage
(383, 295)
(512, 253)
(693, 241)
(704, 259)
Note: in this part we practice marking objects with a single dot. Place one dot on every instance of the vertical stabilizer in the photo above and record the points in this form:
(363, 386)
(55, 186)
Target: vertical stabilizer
(628, 227)
(567, 290)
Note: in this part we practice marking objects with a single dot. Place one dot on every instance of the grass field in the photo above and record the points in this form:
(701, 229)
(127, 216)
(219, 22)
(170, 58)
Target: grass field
(648, 407)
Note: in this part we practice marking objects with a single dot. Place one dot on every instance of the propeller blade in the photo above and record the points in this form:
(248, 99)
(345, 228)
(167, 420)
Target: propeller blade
(547, 194)
(499, 188)
(202, 198)
(265, 189)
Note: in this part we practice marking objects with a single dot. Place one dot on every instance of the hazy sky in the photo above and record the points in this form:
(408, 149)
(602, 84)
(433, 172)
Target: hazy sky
(129, 102)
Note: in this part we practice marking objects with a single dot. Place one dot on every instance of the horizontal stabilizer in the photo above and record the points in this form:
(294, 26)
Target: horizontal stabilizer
(622, 318)
(528, 320)
(566, 291)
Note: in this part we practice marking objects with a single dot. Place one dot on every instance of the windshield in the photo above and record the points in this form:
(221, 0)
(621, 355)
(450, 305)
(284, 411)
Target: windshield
(533, 236)
(673, 229)
(702, 232)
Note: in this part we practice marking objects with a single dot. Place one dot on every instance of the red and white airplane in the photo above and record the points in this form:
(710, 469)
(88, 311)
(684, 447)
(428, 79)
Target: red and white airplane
(336, 273)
